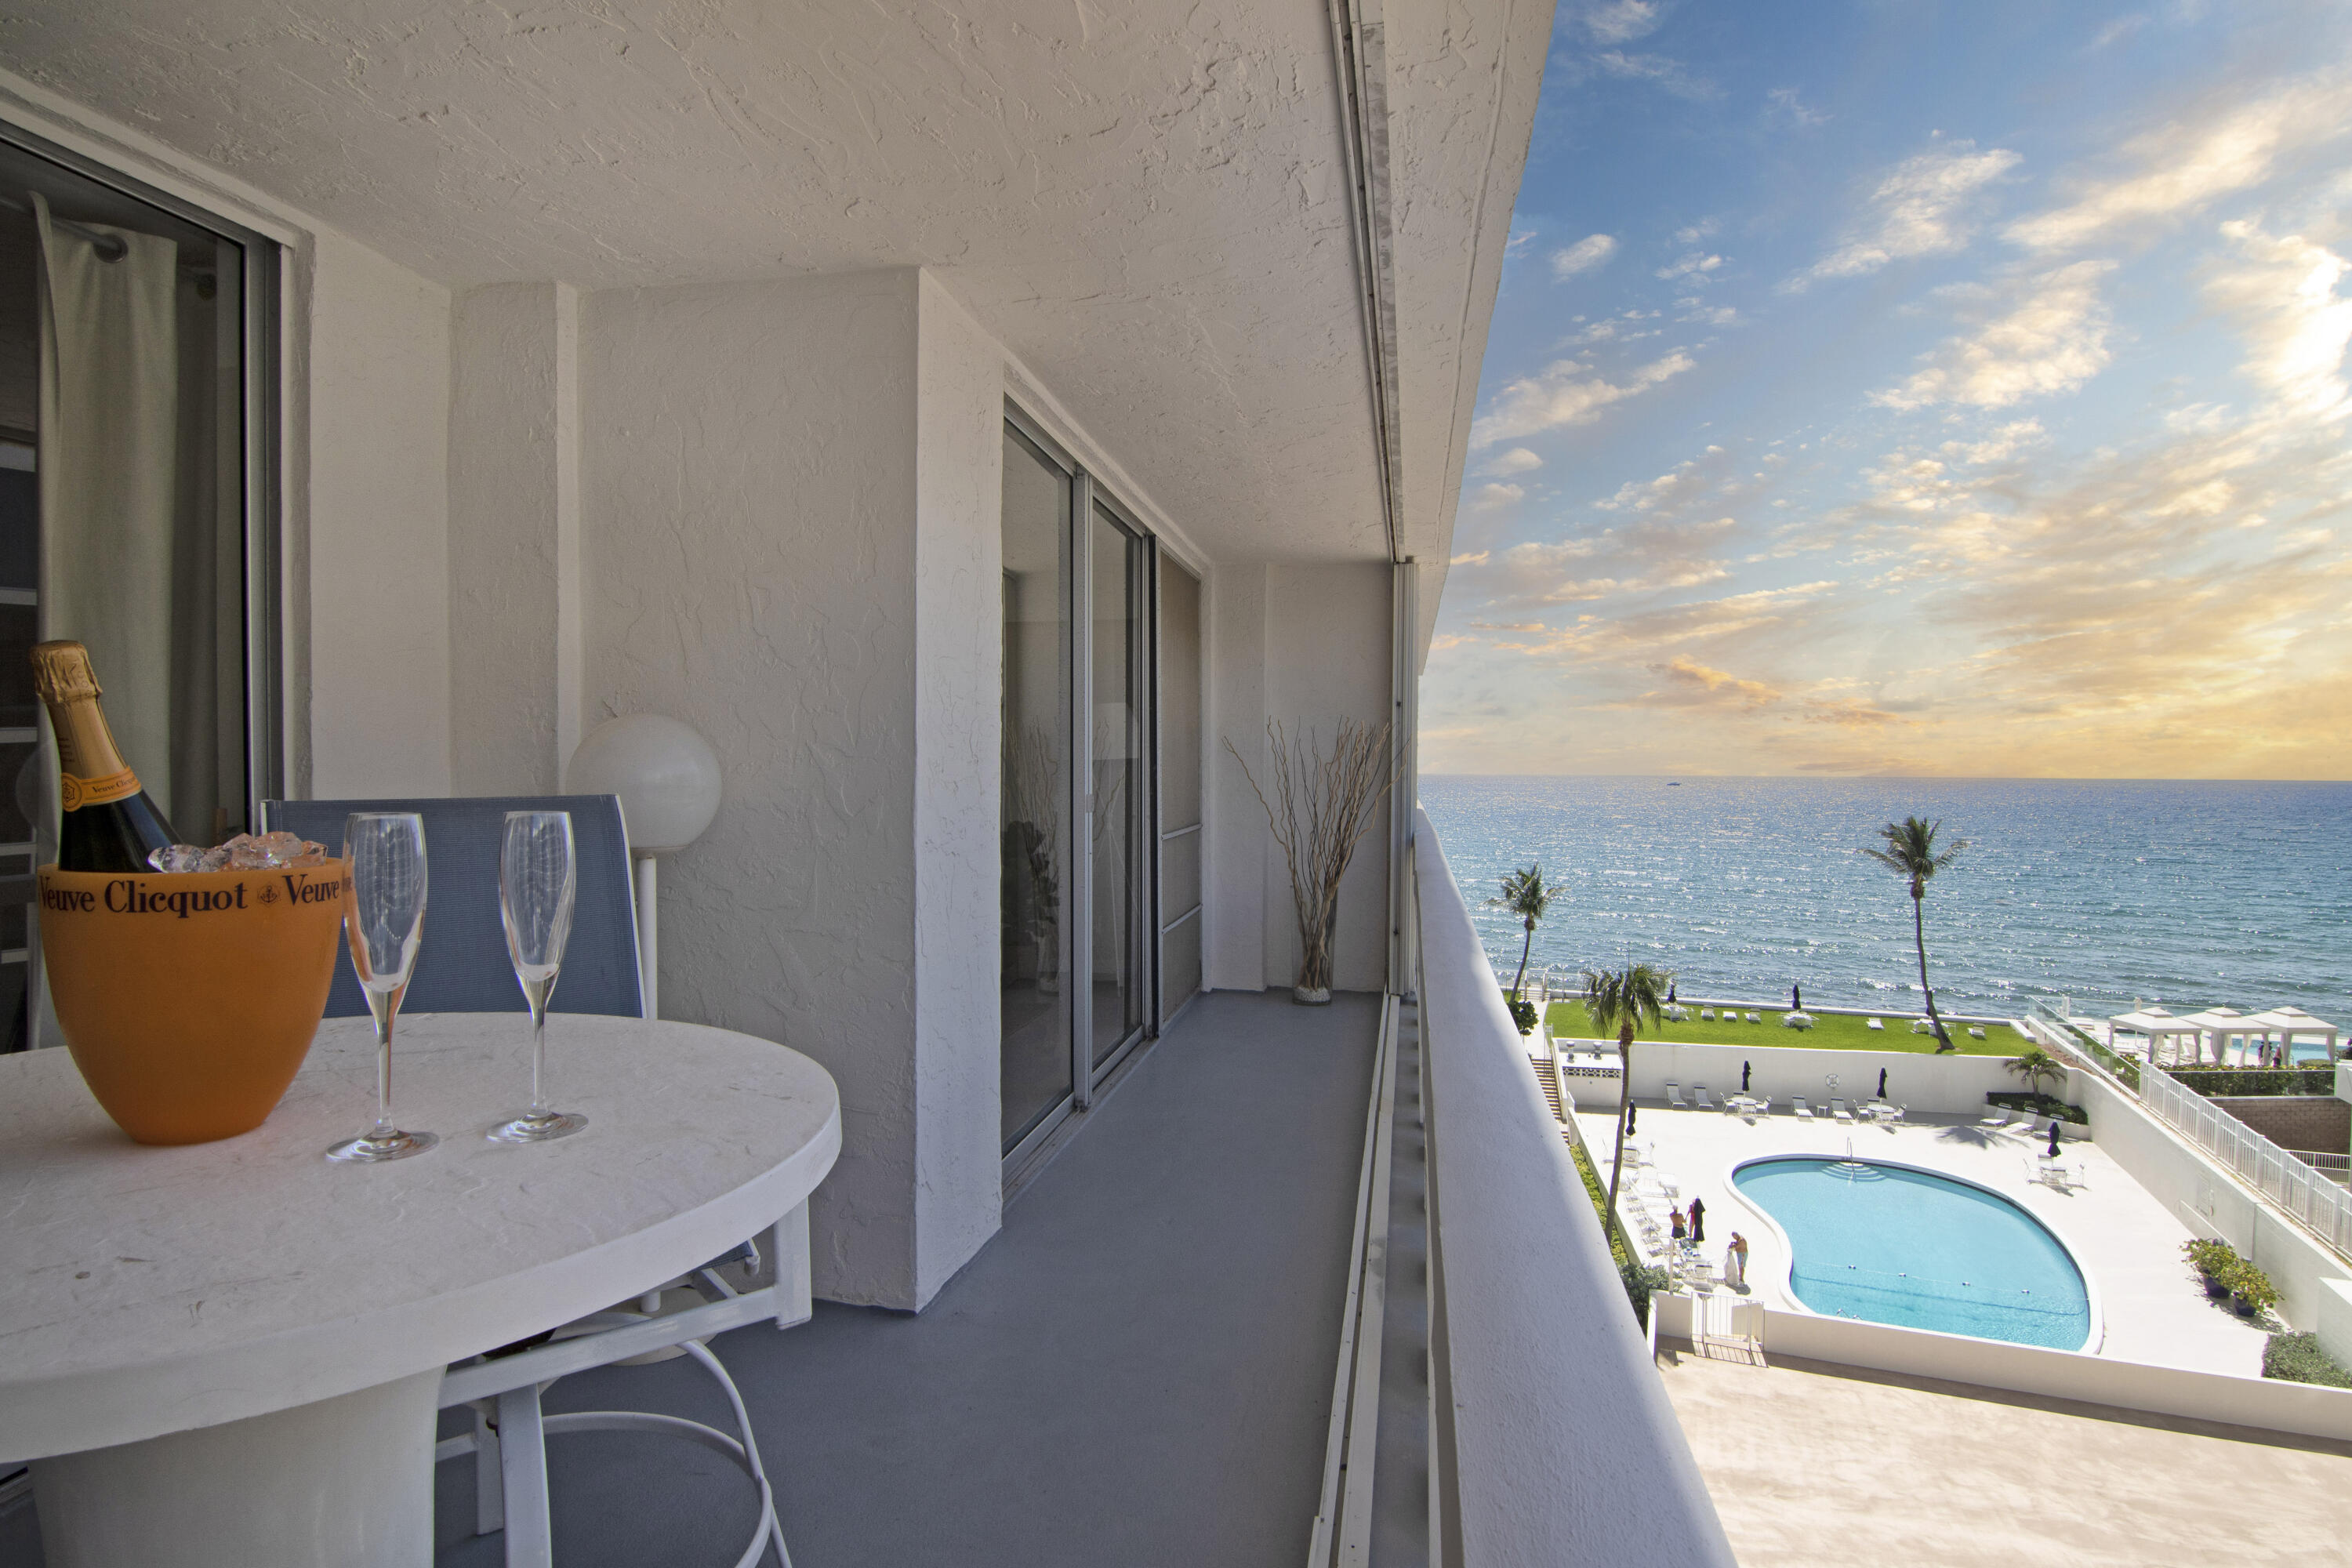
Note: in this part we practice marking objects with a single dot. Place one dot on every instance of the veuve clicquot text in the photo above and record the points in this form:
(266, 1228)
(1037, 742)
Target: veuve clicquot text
(109, 824)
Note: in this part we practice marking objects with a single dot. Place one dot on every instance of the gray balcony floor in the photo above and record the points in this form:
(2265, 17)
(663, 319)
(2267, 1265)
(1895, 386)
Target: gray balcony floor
(1136, 1370)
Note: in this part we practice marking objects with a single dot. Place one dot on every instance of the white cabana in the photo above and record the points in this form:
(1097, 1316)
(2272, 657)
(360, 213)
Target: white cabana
(2289, 1024)
(2227, 1030)
(2163, 1030)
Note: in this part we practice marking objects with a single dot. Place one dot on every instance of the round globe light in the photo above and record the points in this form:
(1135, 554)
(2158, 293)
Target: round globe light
(666, 774)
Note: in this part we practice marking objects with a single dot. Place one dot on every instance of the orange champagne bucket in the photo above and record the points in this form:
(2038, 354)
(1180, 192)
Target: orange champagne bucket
(189, 1000)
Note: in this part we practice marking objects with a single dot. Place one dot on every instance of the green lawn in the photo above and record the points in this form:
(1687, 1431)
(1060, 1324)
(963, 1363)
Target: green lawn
(1830, 1031)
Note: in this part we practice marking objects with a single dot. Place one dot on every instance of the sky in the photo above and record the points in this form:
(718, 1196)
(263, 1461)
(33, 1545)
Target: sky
(1917, 388)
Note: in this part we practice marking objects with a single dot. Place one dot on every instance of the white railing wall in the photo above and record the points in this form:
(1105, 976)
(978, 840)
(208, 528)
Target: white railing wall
(2307, 1196)
(1555, 1441)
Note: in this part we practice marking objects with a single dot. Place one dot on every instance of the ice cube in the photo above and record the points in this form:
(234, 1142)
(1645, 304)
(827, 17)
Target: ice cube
(215, 860)
(178, 857)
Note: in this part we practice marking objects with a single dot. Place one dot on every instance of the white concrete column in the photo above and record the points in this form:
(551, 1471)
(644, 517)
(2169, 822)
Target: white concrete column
(514, 537)
(1236, 872)
(790, 540)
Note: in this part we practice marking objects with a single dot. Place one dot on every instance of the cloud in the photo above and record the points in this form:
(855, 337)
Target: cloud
(1565, 393)
(1667, 74)
(2051, 341)
(1517, 460)
(1695, 265)
(1921, 208)
(2281, 296)
(2180, 167)
(1622, 21)
(1593, 250)
(1782, 104)
(1693, 678)
(1490, 496)
(1851, 713)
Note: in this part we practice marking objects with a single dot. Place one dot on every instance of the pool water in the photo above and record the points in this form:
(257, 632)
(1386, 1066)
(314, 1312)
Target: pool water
(1895, 1246)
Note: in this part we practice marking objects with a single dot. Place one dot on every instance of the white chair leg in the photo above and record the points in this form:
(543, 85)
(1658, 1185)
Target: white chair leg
(490, 1481)
(522, 1455)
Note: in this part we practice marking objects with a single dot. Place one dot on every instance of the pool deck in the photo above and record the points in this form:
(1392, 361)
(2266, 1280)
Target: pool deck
(2150, 1305)
(1819, 1467)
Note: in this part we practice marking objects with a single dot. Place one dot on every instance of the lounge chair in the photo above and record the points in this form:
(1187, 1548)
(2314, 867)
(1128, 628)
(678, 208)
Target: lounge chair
(1838, 1110)
(1675, 1096)
(1873, 1024)
(1703, 1102)
(1975, 1032)
(1797, 1103)
(1708, 1014)
(1996, 1122)
(1755, 1017)
(1920, 1026)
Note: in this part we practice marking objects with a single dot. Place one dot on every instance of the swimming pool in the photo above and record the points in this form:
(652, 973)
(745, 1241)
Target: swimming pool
(1893, 1245)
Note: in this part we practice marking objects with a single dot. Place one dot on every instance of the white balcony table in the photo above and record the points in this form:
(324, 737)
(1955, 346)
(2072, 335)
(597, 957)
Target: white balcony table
(230, 1352)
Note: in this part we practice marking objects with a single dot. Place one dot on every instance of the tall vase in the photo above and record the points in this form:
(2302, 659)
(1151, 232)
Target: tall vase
(1316, 934)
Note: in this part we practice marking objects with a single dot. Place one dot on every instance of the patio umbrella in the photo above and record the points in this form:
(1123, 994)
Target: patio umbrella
(2053, 1138)
(1631, 1112)
(1882, 1083)
(1697, 1221)
(1796, 998)
(1744, 1068)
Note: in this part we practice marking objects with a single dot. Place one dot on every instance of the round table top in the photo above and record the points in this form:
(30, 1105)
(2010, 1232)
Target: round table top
(149, 1290)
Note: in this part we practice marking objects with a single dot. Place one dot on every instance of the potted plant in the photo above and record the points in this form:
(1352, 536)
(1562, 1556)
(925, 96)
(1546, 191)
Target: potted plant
(2212, 1261)
(2251, 1290)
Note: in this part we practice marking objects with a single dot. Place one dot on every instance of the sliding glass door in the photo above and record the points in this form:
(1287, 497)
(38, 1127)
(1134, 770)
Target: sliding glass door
(1034, 1012)
(1079, 821)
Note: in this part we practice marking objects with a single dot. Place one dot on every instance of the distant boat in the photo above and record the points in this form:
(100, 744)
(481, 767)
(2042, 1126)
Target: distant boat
(1673, 783)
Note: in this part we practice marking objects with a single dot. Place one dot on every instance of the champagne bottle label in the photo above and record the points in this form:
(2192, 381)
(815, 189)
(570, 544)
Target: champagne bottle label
(74, 793)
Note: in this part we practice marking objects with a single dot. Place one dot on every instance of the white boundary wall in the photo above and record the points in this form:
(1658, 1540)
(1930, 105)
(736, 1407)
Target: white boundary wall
(1929, 1084)
(2267, 1404)
(2205, 1197)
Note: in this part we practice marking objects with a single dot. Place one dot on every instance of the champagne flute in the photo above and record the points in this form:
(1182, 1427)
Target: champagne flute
(386, 849)
(535, 888)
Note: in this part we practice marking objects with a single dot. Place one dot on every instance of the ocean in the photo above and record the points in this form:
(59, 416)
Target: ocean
(2100, 893)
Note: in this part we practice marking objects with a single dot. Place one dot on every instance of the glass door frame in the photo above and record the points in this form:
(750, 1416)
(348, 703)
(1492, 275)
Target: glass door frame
(265, 652)
(1143, 652)
(1087, 497)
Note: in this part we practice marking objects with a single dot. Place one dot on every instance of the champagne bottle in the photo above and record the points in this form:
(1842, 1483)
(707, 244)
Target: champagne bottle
(110, 825)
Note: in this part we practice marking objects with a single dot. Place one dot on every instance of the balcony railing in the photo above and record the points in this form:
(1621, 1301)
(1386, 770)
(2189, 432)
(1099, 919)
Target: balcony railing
(2306, 1195)
(1551, 1440)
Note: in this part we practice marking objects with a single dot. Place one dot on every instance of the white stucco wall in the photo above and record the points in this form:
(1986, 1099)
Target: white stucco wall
(959, 673)
(1306, 645)
(760, 545)
(513, 463)
(1239, 849)
(378, 526)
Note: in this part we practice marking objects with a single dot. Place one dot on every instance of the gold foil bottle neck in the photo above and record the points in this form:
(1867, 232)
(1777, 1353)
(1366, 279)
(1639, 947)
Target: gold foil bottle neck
(61, 673)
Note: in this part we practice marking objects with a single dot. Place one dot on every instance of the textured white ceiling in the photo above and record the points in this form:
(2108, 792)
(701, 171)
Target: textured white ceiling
(1145, 200)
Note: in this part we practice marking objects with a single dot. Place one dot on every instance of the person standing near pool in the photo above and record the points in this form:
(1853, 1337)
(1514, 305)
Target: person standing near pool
(1697, 1221)
(1680, 1229)
(1734, 1262)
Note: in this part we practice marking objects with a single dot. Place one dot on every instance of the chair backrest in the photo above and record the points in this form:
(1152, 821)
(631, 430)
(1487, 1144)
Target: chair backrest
(462, 964)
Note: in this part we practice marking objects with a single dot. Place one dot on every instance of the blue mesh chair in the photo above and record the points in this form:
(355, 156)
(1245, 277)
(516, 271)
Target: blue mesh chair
(461, 964)
(462, 967)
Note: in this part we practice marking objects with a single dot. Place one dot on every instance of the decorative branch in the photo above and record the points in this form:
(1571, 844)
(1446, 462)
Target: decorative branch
(1320, 809)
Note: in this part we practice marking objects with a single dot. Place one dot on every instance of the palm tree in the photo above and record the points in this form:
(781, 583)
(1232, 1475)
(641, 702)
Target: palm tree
(1525, 895)
(2034, 1065)
(1623, 1001)
(1911, 851)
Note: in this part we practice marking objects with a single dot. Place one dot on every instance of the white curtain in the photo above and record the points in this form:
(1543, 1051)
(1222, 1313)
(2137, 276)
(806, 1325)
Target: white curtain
(111, 486)
(111, 479)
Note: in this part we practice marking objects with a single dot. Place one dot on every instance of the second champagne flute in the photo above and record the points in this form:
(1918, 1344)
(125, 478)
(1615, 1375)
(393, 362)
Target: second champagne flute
(535, 890)
(386, 849)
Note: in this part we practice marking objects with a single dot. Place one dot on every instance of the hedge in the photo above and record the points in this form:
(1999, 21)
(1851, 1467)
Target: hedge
(2042, 1105)
(2211, 1081)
